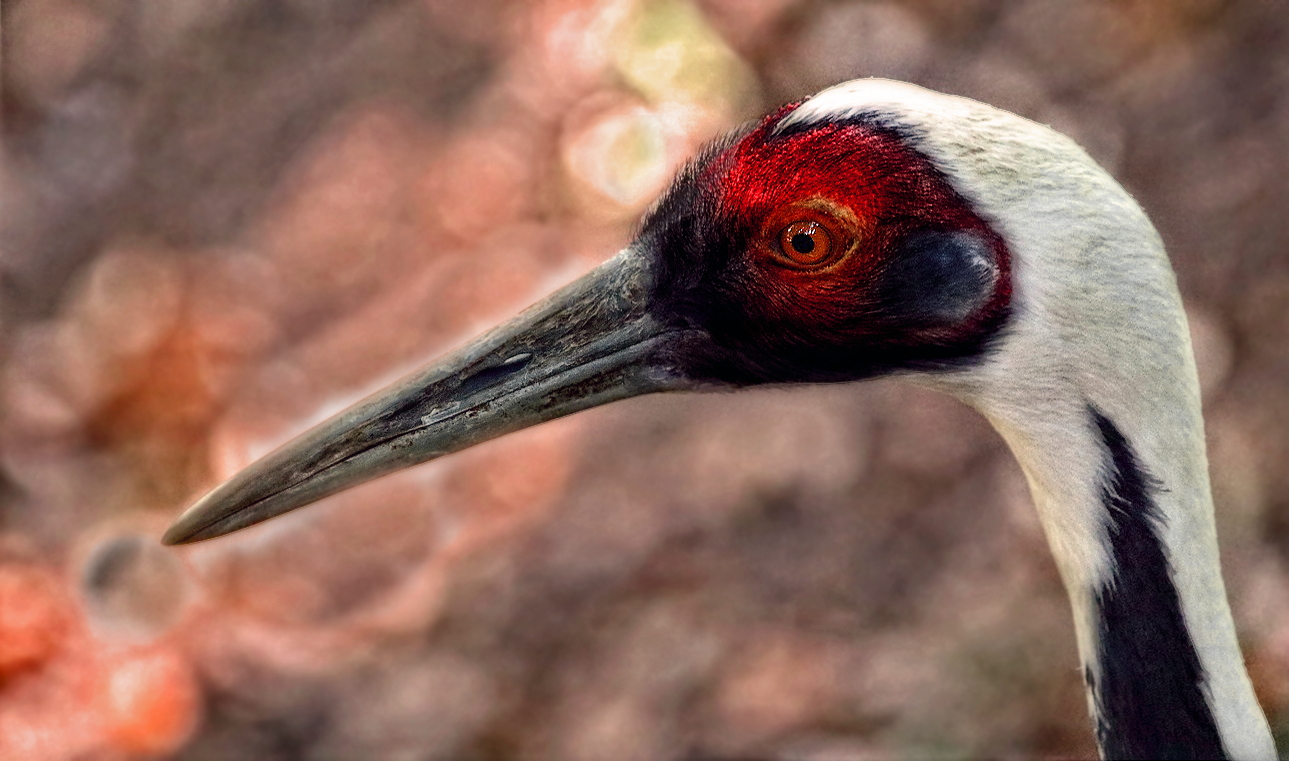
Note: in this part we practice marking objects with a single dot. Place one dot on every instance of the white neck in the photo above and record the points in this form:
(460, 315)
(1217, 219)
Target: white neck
(1100, 330)
(1075, 519)
(1097, 329)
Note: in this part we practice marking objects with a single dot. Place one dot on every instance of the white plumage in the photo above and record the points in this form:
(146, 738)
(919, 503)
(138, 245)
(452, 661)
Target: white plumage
(1100, 321)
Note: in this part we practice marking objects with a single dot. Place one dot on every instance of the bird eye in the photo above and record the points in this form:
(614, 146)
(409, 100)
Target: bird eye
(805, 243)
(811, 235)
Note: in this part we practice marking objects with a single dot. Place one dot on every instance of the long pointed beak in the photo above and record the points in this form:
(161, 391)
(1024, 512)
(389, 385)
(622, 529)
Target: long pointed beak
(591, 343)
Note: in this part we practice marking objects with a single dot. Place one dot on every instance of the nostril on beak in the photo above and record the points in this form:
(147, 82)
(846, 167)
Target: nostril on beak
(491, 376)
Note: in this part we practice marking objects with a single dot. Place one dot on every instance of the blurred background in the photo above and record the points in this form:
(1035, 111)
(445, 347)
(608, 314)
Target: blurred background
(221, 220)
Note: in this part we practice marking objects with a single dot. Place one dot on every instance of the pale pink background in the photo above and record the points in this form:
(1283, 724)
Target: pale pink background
(222, 220)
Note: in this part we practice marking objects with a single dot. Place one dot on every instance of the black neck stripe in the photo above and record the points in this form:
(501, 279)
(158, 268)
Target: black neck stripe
(1149, 697)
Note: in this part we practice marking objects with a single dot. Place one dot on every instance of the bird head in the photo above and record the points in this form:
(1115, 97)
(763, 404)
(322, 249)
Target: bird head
(830, 241)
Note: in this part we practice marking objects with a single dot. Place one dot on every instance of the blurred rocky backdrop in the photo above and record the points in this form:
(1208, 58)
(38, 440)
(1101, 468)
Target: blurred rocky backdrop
(223, 219)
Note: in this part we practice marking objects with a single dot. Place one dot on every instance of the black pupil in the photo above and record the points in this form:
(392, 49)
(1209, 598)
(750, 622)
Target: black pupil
(803, 243)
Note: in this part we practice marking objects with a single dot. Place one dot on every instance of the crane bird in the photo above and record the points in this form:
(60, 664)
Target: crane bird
(874, 229)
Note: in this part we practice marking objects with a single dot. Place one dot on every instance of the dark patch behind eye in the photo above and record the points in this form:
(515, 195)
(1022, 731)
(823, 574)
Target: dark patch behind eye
(937, 277)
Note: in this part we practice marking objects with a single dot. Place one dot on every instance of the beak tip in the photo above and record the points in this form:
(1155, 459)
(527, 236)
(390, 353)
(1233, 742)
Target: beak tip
(177, 534)
(192, 526)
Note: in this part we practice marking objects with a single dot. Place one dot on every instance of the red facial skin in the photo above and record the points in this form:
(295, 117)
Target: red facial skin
(870, 190)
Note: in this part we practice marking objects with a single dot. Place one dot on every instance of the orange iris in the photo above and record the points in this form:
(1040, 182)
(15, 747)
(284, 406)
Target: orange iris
(806, 243)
